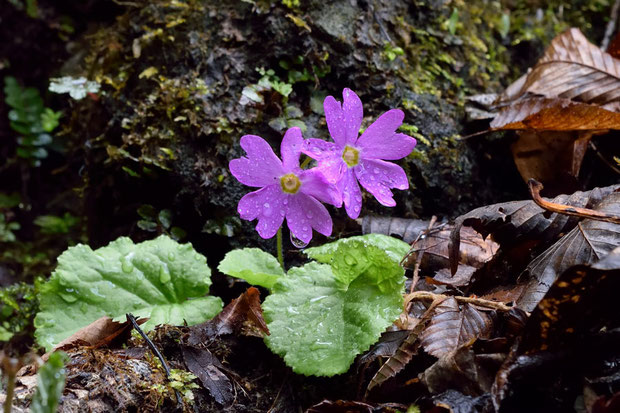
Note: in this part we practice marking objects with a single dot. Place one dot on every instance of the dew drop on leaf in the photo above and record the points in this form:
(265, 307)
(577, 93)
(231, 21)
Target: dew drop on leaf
(164, 275)
(350, 260)
(126, 266)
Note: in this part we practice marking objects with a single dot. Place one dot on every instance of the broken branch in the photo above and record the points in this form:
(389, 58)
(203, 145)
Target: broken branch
(536, 187)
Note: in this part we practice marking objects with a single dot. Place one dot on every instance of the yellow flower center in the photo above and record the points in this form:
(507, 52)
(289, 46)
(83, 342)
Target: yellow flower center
(290, 183)
(351, 156)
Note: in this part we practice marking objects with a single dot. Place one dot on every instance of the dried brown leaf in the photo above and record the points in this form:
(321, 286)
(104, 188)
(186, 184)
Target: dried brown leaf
(458, 370)
(453, 325)
(474, 252)
(406, 351)
(554, 114)
(208, 369)
(587, 243)
(512, 223)
(550, 156)
(242, 315)
(572, 68)
(574, 325)
(99, 333)
(403, 228)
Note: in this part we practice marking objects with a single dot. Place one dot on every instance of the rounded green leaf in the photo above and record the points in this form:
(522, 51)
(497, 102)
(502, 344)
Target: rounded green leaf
(319, 327)
(160, 279)
(253, 265)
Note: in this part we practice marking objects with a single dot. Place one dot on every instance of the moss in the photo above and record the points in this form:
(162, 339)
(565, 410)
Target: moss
(461, 47)
(18, 306)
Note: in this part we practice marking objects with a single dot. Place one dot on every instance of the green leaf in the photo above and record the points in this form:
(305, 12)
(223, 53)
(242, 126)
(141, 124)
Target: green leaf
(149, 226)
(160, 279)
(49, 119)
(394, 247)
(51, 224)
(9, 200)
(318, 327)
(165, 218)
(50, 384)
(177, 233)
(322, 316)
(253, 265)
(147, 211)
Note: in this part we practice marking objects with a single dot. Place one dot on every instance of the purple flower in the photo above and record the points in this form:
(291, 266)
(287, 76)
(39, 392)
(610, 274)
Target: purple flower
(286, 190)
(352, 159)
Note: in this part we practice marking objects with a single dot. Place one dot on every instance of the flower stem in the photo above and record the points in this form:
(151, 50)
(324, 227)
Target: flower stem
(305, 162)
(279, 248)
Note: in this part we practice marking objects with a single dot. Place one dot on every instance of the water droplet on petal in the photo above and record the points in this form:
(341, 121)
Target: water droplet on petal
(267, 210)
(297, 243)
(171, 256)
(309, 214)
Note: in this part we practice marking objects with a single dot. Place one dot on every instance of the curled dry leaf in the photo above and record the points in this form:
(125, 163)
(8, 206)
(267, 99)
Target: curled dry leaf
(242, 315)
(571, 68)
(512, 223)
(587, 243)
(474, 252)
(453, 325)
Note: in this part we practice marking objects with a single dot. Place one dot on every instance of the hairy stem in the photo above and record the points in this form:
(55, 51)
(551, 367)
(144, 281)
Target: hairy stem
(279, 248)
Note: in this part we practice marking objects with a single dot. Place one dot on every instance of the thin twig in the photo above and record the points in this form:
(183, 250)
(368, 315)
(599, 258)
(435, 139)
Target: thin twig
(273, 405)
(154, 349)
(611, 25)
(429, 296)
(536, 187)
(602, 158)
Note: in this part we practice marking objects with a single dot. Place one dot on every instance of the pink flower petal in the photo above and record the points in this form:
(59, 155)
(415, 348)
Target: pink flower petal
(378, 176)
(314, 183)
(333, 117)
(393, 147)
(353, 114)
(319, 149)
(329, 157)
(261, 167)
(269, 205)
(344, 121)
(381, 129)
(291, 147)
(351, 194)
(306, 213)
